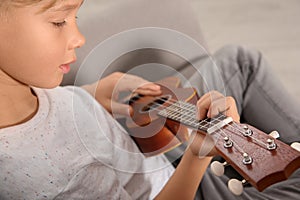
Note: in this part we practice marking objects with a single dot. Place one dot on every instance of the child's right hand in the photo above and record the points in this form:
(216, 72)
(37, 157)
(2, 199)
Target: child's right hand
(106, 91)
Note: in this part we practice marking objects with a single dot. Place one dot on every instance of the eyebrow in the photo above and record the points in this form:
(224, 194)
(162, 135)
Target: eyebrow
(68, 7)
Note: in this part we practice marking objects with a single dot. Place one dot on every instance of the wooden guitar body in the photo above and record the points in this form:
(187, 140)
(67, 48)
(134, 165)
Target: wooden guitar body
(152, 133)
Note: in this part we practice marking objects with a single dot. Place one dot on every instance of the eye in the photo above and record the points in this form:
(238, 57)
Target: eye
(59, 24)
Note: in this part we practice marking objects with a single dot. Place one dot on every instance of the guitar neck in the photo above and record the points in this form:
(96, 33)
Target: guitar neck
(185, 113)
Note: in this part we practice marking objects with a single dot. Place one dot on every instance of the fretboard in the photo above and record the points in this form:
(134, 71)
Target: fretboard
(185, 113)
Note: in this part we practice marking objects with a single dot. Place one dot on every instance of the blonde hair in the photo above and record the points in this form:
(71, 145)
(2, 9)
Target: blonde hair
(7, 4)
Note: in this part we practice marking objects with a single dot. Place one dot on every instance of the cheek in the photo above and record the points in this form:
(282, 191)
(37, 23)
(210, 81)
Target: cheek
(34, 59)
(31, 50)
(43, 46)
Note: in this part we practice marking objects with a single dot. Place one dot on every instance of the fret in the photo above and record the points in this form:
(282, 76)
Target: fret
(185, 113)
(203, 123)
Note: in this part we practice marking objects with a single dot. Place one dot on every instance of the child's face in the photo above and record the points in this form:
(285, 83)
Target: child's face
(36, 46)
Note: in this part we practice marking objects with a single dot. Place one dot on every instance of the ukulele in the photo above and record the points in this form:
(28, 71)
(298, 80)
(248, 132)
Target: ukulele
(161, 123)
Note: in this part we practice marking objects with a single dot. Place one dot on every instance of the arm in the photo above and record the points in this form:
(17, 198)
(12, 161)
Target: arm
(187, 176)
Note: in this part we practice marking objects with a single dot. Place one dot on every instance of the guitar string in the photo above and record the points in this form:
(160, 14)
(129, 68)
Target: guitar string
(235, 127)
(235, 146)
(253, 138)
(192, 108)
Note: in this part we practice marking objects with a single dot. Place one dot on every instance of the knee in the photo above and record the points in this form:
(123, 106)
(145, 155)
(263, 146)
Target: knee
(239, 57)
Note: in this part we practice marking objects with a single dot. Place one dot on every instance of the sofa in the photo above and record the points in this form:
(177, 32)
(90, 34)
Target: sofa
(145, 37)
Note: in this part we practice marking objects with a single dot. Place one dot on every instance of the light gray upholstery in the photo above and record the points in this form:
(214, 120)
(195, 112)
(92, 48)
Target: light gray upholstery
(99, 20)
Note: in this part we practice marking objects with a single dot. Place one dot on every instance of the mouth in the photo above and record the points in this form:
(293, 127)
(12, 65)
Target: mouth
(66, 67)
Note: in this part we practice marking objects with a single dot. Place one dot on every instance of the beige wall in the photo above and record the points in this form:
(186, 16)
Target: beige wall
(272, 26)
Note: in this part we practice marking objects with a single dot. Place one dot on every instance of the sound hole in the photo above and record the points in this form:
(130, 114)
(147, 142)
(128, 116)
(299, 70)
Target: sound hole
(156, 103)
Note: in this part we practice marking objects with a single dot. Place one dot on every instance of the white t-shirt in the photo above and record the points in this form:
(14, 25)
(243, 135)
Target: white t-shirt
(73, 149)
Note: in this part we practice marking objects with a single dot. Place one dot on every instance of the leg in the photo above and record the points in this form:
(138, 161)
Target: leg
(261, 99)
(262, 102)
(213, 187)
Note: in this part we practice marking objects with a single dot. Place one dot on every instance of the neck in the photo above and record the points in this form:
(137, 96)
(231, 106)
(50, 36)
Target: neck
(18, 102)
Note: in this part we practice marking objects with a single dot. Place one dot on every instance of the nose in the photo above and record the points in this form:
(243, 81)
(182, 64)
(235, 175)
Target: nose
(77, 40)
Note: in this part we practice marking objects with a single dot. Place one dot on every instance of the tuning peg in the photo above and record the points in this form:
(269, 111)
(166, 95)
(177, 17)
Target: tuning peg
(296, 145)
(271, 144)
(217, 168)
(274, 134)
(236, 186)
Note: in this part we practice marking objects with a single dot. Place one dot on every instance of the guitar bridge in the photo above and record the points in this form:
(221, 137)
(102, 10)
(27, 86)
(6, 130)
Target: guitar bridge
(219, 125)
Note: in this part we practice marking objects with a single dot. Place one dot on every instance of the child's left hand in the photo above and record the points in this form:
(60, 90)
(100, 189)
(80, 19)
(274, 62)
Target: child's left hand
(106, 91)
(210, 105)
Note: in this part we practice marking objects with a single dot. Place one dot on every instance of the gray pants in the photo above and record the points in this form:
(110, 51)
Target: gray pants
(262, 102)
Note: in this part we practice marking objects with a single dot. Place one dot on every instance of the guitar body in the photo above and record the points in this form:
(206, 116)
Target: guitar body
(152, 133)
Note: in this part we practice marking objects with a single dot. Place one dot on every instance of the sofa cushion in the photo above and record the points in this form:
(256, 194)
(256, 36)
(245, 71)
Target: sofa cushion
(105, 22)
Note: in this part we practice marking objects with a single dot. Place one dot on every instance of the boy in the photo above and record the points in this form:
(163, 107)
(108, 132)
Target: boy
(58, 143)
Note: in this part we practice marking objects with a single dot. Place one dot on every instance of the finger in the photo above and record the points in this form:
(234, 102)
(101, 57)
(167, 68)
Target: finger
(225, 105)
(128, 82)
(149, 86)
(204, 103)
(121, 109)
(153, 90)
(146, 88)
(232, 110)
(216, 107)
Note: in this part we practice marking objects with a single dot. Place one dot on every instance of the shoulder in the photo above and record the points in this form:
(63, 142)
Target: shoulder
(67, 96)
(67, 92)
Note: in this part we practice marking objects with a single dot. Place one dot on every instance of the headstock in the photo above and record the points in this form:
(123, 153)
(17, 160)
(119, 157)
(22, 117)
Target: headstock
(260, 158)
